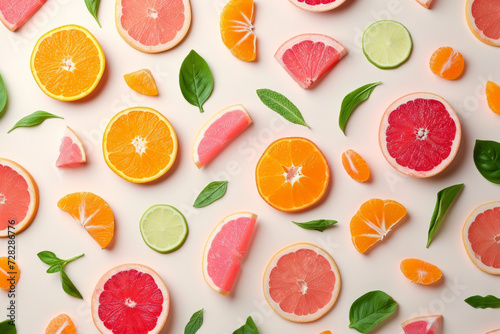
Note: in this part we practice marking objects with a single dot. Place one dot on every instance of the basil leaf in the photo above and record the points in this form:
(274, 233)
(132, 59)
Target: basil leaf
(55, 268)
(248, 328)
(351, 101)
(212, 192)
(194, 323)
(370, 310)
(483, 302)
(195, 79)
(444, 200)
(318, 225)
(281, 105)
(69, 287)
(34, 119)
(3, 96)
(93, 6)
(49, 258)
(487, 159)
(8, 327)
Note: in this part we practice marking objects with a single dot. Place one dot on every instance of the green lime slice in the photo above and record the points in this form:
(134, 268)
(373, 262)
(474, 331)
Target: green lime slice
(163, 228)
(387, 44)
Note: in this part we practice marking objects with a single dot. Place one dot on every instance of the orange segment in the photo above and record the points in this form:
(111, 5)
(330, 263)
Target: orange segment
(8, 270)
(355, 166)
(142, 82)
(493, 96)
(93, 213)
(420, 272)
(373, 221)
(292, 174)
(447, 63)
(236, 28)
(326, 332)
(61, 324)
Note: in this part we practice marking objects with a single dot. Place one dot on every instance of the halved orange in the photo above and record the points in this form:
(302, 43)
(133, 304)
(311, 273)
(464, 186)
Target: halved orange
(292, 174)
(355, 166)
(493, 96)
(142, 82)
(61, 324)
(8, 269)
(420, 272)
(139, 144)
(447, 63)
(236, 28)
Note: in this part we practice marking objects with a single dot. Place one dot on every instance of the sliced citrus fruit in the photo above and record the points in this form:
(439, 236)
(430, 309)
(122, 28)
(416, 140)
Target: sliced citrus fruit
(420, 134)
(301, 282)
(218, 132)
(130, 298)
(67, 63)
(355, 166)
(14, 14)
(61, 324)
(18, 198)
(139, 144)
(153, 26)
(71, 151)
(317, 5)
(420, 272)
(483, 18)
(425, 3)
(9, 273)
(481, 236)
(225, 250)
(493, 96)
(309, 57)
(423, 325)
(93, 213)
(292, 174)
(447, 63)
(373, 222)
(142, 81)
(326, 332)
(495, 331)
(236, 29)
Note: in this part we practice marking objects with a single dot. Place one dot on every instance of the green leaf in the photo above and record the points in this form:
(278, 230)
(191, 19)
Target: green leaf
(483, 302)
(93, 6)
(195, 79)
(3, 96)
(212, 192)
(8, 327)
(34, 119)
(68, 286)
(444, 200)
(487, 159)
(370, 310)
(351, 101)
(281, 105)
(55, 268)
(248, 328)
(194, 323)
(318, 225)
(49, 258)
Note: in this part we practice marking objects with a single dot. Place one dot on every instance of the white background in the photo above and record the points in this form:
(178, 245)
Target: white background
(40, 296)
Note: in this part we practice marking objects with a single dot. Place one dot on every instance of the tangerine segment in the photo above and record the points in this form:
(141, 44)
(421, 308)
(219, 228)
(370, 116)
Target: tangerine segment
(373, 221)
(355, 166)
(139, 144)
(142, 81)
(8, 270)
(61, 324)
(236, 28)
(420, 272)
(447, 63)
(292, 174)
(493, 96)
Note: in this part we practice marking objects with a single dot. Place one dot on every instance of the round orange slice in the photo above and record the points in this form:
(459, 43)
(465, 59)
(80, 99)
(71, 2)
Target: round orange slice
(447, 63)
(420, 272)
(61, 324)
(236, 28)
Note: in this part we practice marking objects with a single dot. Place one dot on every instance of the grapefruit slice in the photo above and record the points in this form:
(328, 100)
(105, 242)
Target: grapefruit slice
(153, 26)
(308, 57)
(317, 5)
(218, 132)
(61, 324)
(130, 298)
(483, 18)
(301, 282)
(14, 14)
(225, 249)
(423, 325)
(425, 3)
(420, 134)
(71, 151)
(18, 198)
(481, 236)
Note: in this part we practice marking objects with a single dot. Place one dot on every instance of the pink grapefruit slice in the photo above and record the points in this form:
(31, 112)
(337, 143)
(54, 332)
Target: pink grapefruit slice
(71, 151)
(225, 250)
(15, 13)
(420, 134)
(130, 298)
(425, 3)
(218, 132)
(309, 57)
(18, 198)
(301, 282)
(481, 236)
(483, 18)
(317, 5)
(423, 325)
(153, 26)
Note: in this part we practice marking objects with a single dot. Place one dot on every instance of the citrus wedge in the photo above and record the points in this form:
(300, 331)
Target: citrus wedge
(8, 270)
(423, 325)
(493, 96)
(61, 324)
(71, 151)
(236, 28)
(421, 272)
(355, 166)
(425, 3)
(142, 81)
(317, 5)
(14, 14)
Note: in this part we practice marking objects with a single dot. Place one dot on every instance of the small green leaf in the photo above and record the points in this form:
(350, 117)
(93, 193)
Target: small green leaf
(212, 192)
(68, 286)
(55, 268)
(57, 265)
(487, 159)
(7, 327)
(93, 6)
(318, 225)
(49, 258)
(194, 323)
(281, 105)
(195, 80)
(3, 96)
(444, 200)
(248, 328)
(34, 119)
(351, 101)
(483, 302)
(370, 310)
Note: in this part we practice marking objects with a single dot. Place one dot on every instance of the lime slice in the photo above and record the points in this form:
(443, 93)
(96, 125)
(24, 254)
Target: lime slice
(387, 44)
(163, 228)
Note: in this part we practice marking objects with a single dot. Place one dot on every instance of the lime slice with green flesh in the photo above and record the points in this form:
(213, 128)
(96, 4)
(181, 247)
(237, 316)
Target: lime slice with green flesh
(163, 228)
(387, 44)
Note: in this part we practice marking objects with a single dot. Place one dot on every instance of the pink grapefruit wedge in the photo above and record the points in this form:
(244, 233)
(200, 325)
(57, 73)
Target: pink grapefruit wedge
(14, 13)
(481, 236)
(218, 132)
(71, 151)
(153, 26)
(130, 298)
(225, 249)
(425, 3)
(308, 57)
(483, 18)
(301, 282)
(420, 134)
(317, 5)
(18, 198)
(423, 325)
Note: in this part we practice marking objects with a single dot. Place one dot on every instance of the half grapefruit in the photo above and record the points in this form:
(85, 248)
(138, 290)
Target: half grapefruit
(71, 151)
(483, 18)
(317, 5)
(423, 325)
(14, 14)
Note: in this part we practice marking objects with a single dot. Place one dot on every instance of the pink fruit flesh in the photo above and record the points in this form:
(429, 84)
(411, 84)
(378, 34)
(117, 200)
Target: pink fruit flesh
(70, 154)
(14, 197)
(16, 12)
(316, 2)
(419, 327)
(484, 237)
(486, 14)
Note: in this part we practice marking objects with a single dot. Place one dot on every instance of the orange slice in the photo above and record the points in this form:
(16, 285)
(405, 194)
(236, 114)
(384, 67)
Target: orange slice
(236, 28)
(420, 272)
(61, 324)
(493, 96)
(8, 270)
(142, 82)
(447, 63)
(355, 166)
